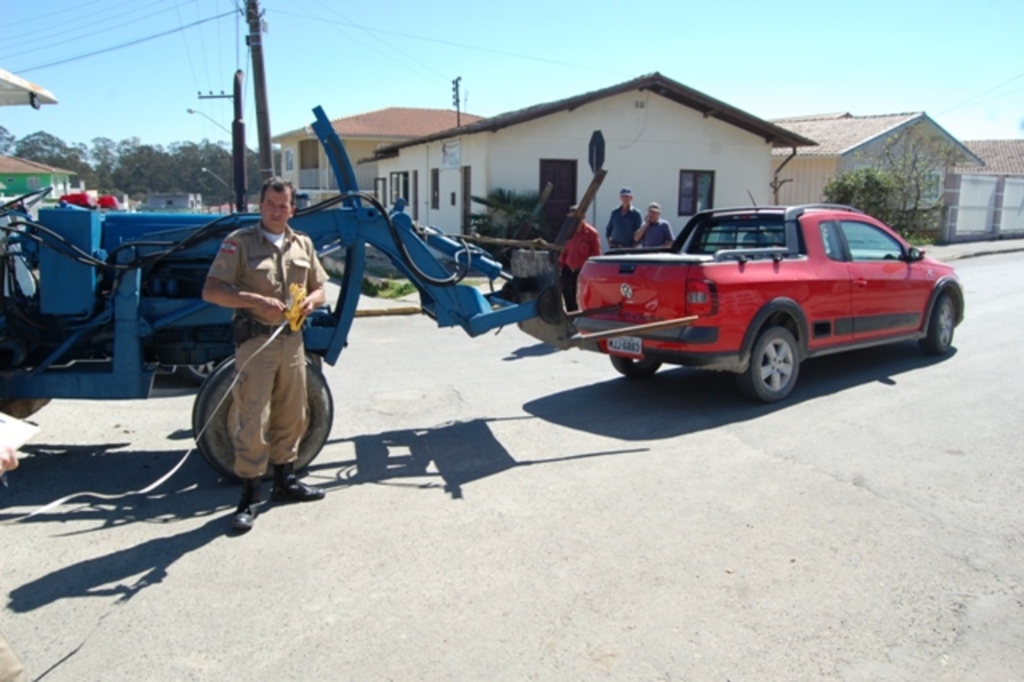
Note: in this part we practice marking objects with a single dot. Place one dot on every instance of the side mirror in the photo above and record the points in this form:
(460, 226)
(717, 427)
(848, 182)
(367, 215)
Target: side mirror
(914, 254)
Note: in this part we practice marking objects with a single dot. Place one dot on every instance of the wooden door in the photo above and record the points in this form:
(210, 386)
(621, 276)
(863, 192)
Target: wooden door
(561, 173)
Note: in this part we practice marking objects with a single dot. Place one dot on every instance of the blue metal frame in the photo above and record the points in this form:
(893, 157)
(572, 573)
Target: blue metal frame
(358, 222)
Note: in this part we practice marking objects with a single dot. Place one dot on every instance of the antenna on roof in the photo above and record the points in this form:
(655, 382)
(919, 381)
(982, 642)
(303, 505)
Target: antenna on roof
(753, 201)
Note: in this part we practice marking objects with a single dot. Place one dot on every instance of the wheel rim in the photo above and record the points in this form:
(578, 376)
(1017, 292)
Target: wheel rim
(777, 363)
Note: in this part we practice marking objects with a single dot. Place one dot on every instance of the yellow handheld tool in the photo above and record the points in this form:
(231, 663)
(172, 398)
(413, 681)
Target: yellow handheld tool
(296, 297)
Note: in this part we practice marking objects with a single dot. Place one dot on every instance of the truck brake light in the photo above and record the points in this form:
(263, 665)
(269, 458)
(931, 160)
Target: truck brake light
(700, 297)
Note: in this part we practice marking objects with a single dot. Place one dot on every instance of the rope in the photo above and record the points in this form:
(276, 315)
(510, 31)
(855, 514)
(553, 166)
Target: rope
(160, 481)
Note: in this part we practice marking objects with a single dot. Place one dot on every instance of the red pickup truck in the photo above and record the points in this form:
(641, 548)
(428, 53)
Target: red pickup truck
(756, 291)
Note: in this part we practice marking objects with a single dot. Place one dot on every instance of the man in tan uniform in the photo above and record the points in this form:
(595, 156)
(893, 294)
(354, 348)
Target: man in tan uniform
(252, 273)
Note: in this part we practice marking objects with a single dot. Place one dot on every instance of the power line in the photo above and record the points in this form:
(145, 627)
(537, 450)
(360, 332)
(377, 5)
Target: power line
(83, 32)
(188, 53)
(202, 49)
(123, 45)
(50, 23)
(452, 43)
(412, 59)
(980, 95)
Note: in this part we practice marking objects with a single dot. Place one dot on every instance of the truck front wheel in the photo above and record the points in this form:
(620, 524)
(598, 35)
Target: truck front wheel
(210, 418)
(774, 366)
(940, 327)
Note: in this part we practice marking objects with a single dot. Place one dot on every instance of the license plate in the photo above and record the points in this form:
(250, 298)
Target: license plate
(626, 345)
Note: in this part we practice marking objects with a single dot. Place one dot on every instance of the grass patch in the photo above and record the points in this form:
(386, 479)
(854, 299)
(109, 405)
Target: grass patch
(387, 288)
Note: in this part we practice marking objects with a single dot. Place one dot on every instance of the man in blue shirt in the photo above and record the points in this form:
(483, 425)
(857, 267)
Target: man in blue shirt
(624, 222)
(655, 232)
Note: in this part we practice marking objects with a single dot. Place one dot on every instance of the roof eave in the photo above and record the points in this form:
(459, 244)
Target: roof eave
(966, 154)
(709, 107)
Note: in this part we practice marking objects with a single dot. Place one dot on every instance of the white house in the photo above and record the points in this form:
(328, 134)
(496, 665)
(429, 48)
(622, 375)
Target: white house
(846, 143)
(667, 142)
(304, 163)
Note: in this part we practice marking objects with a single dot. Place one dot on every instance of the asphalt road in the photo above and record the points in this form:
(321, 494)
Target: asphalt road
(497, 510)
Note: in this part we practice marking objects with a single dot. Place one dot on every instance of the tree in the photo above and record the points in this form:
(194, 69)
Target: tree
(918, 162)
(50, 150)
(215, 183)
(142, 168)
(507, 211)
(6, 142)
(872, 190)
(103, 158)
(133, 168)
(903, 185)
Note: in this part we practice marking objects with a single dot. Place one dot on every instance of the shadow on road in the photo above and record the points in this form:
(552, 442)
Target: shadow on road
(447, 456)
(682, 400)
(673, 403)
(94, 577)
(56, 470)
(536, 350)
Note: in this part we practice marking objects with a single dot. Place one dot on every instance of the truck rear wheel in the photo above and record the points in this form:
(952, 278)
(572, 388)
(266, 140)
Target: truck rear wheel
(774, 366)
(210, 412)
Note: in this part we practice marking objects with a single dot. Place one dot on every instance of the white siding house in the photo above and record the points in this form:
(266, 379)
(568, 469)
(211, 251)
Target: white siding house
(846, 143)
(661, 139)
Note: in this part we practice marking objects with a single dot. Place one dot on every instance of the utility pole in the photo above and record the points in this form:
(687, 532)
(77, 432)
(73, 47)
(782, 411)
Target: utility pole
(238, 149)
(255, 42)
(455, 101)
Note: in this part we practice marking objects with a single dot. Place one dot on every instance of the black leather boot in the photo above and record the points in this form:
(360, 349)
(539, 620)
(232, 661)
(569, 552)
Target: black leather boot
(287, 488)
(245, 514)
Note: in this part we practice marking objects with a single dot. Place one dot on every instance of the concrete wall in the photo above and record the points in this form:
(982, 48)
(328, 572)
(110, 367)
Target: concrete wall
(983, 207)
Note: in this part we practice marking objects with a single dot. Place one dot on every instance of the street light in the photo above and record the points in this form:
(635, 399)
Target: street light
(219, 178)
(194, 111)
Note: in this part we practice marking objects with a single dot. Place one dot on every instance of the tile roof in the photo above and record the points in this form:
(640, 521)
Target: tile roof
(394, 123)
(837, 134)
(655, 82)
(1001, 157)
(12, 164)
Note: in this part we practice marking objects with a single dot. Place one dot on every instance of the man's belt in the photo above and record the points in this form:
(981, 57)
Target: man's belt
(246, 328)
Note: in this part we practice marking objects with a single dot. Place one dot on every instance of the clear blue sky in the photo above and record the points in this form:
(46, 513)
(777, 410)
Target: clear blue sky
(962, 63)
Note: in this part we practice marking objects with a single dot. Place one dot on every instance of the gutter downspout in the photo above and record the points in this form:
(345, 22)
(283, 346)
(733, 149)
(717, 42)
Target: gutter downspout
(776, 184)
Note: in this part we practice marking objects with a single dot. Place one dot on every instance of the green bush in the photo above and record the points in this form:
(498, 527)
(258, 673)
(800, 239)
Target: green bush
(870, 189)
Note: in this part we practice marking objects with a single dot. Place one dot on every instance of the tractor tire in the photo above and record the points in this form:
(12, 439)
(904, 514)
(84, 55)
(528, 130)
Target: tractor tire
(210, 418)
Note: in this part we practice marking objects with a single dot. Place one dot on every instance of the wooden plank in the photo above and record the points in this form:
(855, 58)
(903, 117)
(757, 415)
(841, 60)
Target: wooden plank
(572, 221)
(634, 330)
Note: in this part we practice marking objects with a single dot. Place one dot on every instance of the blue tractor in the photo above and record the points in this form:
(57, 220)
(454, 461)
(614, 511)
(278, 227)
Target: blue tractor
(94, 303)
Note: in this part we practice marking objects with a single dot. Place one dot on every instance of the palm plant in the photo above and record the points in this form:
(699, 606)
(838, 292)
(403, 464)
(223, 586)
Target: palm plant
(510, 214)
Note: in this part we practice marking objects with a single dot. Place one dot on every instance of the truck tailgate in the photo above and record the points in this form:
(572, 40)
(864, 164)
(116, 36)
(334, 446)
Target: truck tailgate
(646, 287)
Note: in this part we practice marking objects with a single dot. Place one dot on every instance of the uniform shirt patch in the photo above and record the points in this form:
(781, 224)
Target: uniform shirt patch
(229, 246)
